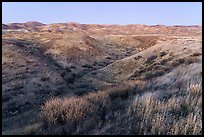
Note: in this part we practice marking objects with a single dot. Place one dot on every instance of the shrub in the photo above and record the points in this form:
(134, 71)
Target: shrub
(72, 67)
(180, 60)
(68, 69)
(162, 53)
(190, 60)
(93, 72)
(69, 112)
(187, 60)
(164, 61)
(150, 75)
(196, 54)
(69, 77)
(83, 89)
(76, 115)
(171, 54)
(138, 72)
(119, 92)
(174, 63)
(150, 58)
(101, 100)
(63, 73)
(137, 57)
(86, 66)
(159, 73)
(108, 57)
(18, 87)
(81, 92)
(44, 78)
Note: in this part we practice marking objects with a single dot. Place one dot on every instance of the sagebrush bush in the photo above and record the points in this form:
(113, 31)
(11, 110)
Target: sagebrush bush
(76, 114)
(150, 75)
(196, 54)
(174, 63)
(162, 53)
(187, 60)
(190, 60)
(150, 58)
(69, 111)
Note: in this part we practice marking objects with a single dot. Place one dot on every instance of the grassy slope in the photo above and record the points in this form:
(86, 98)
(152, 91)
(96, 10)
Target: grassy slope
(149, 82)
(151, 103)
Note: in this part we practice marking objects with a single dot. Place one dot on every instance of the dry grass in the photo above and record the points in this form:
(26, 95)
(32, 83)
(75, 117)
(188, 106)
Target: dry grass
(69, 112)
(195, 89)
(100, 99)
(75, 115)
(177, 115)
(27, 130)
(144, 105)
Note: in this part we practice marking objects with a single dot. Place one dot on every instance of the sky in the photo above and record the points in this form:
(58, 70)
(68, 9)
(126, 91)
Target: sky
(149, 13)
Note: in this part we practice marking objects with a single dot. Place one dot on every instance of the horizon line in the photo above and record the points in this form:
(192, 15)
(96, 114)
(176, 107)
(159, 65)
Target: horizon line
(101, 24)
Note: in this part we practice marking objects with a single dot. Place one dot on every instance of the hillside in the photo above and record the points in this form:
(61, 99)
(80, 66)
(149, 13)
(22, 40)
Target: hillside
(71, 78)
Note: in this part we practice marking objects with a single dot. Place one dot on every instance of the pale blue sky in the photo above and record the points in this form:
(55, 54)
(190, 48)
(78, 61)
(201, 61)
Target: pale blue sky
(149, 13)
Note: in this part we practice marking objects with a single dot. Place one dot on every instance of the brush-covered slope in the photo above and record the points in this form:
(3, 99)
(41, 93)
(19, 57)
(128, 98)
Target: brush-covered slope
(178, 51)
(157, 91)
(70, 78)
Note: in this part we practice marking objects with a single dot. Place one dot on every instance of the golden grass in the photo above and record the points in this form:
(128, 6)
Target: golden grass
(77, 114)
(68, 110)
(180, 114)
(175, 116)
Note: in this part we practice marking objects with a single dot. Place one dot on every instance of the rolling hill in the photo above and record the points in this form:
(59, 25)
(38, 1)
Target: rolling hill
(71, 78)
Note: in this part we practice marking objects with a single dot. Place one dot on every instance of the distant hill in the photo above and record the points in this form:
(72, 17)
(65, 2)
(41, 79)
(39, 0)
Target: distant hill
(132, 29)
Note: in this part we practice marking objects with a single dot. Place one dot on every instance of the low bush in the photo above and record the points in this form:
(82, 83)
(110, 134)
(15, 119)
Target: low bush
(190, 60)
(196, 54)
(180, 60)
(137, 57)
(150, 58)
(150, 75)
(174, 63)
(69, 112)
(162, 53)
(87, 66)
(108, 57)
